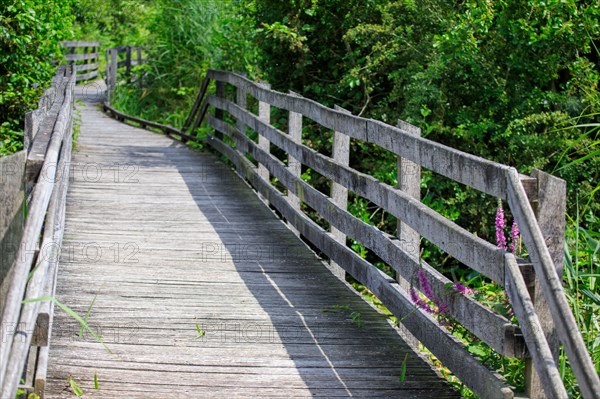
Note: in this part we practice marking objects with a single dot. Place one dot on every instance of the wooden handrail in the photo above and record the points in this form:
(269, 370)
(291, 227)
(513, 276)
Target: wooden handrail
(89, 55)
(45, 214)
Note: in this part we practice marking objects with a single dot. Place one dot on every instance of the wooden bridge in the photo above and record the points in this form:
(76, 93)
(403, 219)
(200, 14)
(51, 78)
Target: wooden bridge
(188, 279)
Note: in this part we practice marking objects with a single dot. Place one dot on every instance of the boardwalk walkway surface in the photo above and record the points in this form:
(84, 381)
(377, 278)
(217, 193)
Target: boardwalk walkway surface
(199, 291)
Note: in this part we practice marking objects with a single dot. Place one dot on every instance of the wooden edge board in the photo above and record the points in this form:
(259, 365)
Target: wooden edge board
(168, 130)
(442, 344)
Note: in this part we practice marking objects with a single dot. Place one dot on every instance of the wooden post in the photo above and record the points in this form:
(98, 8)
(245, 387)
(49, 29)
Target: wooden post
(108, 69)
(139, 62)
(111, 72)
(128, 64)
(550, 213)
(264, 114)
(242, 101)
(409, 181)
(294, 165)
(339, 193)
(220, 92)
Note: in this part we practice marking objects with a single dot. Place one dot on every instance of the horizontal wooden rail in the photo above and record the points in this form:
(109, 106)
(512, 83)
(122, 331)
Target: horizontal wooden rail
(479, 173)
(45, 218)
(89, 56)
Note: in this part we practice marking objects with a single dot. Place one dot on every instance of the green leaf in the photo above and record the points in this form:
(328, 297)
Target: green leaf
(87, 314)
(201, 333)
(402, 377)
(96, 385)
(75, 386)
(71, 313)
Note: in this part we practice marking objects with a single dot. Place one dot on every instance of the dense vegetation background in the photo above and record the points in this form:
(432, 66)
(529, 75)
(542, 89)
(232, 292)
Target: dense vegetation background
(508, 80)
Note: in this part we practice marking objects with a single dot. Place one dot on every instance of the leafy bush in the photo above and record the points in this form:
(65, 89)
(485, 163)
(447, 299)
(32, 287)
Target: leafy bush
(30, 36)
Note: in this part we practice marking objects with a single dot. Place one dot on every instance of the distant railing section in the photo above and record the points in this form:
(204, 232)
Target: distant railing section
(84, 56)
(541, 322)
(124, 58)
(119, 63)
(41, 169)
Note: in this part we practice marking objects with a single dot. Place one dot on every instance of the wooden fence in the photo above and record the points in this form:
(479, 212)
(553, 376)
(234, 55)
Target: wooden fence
(550, 315)
(41, 171)
(542, 323)
(123, 57)
(84, 56)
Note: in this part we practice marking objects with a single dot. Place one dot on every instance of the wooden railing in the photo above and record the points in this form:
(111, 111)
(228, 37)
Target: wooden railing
(116, 70)
(518, 276)
(40, 173)
(84, 56)
(122, 57)
(541, 323)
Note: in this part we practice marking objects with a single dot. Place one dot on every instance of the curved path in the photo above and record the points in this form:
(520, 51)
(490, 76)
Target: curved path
(200, 291)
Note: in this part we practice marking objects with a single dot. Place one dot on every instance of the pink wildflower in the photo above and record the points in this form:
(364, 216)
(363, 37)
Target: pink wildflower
(463, 289)
(514, 237)
(500, 224)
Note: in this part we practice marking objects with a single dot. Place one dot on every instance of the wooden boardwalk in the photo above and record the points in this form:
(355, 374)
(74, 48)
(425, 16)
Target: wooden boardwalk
(199, 291)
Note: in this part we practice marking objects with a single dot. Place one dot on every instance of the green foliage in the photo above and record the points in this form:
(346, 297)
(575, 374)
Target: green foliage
(30, 36)
(113, 22)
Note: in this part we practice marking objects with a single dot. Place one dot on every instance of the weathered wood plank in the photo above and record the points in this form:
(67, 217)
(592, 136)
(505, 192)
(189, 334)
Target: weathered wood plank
(86, 67)
(550, 214)
(87, 76)
(12, 216)
(78, 57)
(339, 193)
(294, 165)
(530, 323)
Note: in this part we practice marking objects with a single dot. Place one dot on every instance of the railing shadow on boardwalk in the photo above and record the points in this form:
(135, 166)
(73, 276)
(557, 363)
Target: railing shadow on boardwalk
(306, 311)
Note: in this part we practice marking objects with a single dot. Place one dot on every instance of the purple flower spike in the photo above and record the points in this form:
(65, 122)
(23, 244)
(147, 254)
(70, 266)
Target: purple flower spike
(500, 224)
(514, 237)
(414, 296)
(425, 286)
(420, 303)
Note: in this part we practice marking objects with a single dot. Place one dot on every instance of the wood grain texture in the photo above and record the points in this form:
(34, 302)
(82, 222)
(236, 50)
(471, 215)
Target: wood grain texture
(175, 241)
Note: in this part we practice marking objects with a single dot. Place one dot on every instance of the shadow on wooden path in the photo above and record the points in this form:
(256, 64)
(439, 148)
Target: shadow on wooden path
(199, 291)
